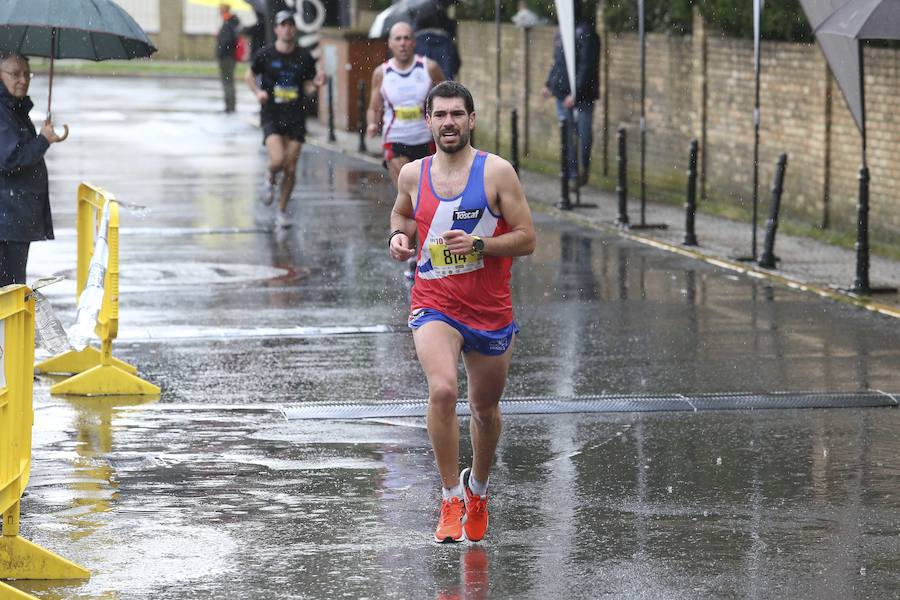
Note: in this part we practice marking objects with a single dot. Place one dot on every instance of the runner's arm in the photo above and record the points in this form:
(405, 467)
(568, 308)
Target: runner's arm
(402, 213)
(311, 86)
(315, 80)
(502, 182)
(376, 104)
(250, 80)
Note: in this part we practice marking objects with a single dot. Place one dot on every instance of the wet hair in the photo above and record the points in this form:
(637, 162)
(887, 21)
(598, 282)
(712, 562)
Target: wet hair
(450, 89)
(5, 56)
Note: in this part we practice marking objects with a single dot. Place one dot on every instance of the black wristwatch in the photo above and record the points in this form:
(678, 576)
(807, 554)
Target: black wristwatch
(477, 244)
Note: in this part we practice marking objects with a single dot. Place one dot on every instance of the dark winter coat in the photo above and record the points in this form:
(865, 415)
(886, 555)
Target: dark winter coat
(587, 66)
(24, 190)
(227, 38)
(438, 46)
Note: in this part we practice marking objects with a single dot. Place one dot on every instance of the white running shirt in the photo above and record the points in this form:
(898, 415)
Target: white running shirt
(404, 94)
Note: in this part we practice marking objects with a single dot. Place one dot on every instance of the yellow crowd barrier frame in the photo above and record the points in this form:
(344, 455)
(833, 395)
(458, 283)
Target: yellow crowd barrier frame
(98, 373)
(20, 558)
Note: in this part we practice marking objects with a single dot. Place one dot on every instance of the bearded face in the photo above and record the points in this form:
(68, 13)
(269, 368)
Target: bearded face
(451, 139)
(450, 124)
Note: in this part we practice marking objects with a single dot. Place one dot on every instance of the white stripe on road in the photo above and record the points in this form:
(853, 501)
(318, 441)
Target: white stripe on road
(187, 332)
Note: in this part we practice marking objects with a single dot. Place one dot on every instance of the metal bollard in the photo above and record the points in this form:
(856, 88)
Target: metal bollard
(362, 116)
(690, 206)
(622, 184)
(767, 260)
(861, 279)
(514, 139)
(564, 203)
(331, 136)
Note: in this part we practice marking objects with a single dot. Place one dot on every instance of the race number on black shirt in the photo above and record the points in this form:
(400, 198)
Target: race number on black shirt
(282, 77)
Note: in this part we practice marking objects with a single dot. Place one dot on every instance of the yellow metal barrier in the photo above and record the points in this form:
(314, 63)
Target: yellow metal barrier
(98, 373)
(19, 558)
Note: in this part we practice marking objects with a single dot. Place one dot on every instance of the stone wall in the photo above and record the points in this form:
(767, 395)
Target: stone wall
(703, 86)
(697, 86)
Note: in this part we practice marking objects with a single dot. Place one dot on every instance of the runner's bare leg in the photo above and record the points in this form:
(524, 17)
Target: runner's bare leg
(486, 381)
(276, 148)
(394, 166)
(438, 346)
(292, 156)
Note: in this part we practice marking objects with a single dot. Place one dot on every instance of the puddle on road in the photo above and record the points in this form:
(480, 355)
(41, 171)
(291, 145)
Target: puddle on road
(689, 501)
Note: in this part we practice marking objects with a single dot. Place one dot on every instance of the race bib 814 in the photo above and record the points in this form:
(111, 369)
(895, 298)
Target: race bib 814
(442, 257)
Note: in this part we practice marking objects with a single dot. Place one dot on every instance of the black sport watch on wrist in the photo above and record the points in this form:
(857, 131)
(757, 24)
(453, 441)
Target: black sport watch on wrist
(477, 244)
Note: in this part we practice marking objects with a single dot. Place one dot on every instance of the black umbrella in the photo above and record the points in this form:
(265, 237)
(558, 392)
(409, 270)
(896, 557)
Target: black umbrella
(404, 11)
(87, 29)
(841, 36)
(396, 13)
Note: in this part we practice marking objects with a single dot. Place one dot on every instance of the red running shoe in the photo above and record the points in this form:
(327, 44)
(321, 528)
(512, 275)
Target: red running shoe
(449, 527)
(476, 518)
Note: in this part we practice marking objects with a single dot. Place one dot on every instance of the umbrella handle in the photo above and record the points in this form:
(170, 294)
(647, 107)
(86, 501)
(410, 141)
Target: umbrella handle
(52, 60)
(65, 134)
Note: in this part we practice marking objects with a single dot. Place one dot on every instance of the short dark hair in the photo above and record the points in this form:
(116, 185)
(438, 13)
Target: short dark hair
(450, 89)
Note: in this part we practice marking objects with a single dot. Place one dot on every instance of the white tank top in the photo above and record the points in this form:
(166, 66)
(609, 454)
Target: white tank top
(404, 94)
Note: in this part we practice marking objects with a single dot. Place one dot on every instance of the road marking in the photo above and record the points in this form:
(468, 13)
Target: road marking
(176, 332)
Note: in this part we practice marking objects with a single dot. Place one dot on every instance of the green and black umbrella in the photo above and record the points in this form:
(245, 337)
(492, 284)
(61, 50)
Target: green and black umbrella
(86, 29)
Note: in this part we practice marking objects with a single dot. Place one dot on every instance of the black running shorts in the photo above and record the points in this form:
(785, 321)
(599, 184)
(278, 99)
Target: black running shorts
(294, 130)
(412, 152)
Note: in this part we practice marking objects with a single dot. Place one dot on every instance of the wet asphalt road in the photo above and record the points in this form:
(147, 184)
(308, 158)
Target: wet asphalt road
(208, 492)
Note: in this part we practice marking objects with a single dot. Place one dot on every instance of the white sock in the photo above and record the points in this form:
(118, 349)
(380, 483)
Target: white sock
(448, 493)
(478, 488)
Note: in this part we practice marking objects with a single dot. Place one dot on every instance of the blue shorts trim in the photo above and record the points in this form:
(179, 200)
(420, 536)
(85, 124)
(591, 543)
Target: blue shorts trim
(489, 343)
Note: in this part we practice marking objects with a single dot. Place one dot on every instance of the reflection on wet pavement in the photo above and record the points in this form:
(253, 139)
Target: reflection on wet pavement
(211, 493)
(654, 505)
(698, 505)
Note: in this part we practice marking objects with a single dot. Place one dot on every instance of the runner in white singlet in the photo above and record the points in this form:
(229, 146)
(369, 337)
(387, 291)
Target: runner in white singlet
(399, 88)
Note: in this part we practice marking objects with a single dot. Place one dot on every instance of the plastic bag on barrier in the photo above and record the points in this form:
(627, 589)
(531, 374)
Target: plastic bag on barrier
(48, 331)
(91, 299)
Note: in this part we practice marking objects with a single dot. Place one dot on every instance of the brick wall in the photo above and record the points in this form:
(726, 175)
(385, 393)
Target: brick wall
(667, 107)
(802, 113)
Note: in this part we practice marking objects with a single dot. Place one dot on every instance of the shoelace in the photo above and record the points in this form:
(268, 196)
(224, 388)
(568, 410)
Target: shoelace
(477, 503)
(451, 512)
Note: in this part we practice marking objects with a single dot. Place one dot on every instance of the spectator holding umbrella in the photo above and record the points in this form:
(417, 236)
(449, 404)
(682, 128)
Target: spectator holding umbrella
(102, 31)
(24, 189)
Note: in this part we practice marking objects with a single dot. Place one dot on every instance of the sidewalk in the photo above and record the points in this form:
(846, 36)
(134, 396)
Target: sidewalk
(806, 264)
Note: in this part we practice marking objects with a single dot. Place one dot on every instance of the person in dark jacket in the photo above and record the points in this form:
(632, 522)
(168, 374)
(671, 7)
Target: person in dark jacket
(587, 90)
(24, 190)
(226, 47)
(435, 35)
